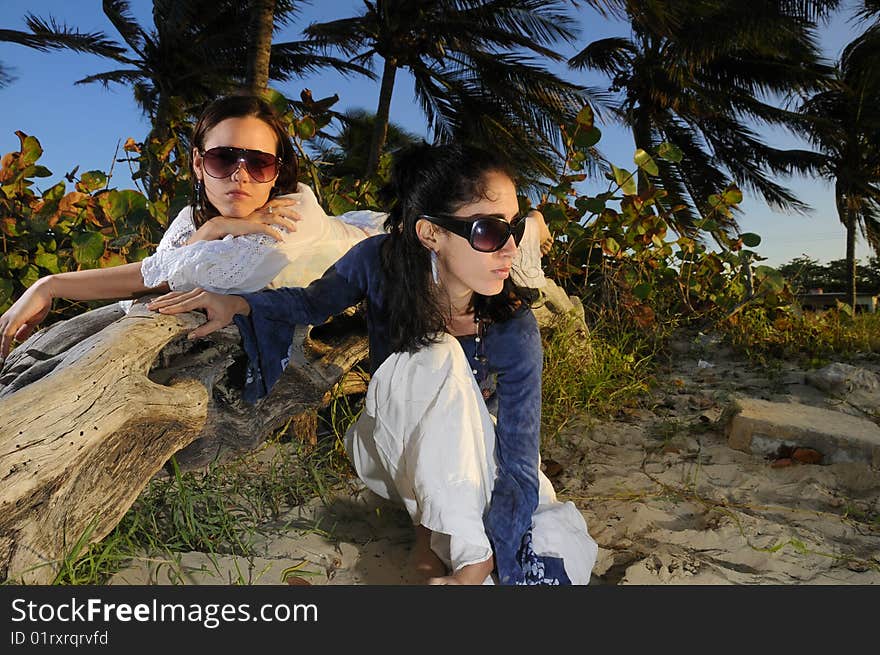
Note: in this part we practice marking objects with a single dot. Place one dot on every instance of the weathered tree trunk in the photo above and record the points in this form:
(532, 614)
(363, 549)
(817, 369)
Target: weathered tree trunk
(85, 421)
(91, 408)
(77, 447)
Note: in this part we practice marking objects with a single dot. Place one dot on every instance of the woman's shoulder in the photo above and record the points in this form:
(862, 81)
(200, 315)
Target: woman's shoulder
(179, 230)
(312, 226)
(367, 250)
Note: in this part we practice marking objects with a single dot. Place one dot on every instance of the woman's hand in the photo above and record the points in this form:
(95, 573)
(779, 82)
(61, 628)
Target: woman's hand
(278, 212)
(470, 574)
(19, 321)
(545, 239)
(219, 308)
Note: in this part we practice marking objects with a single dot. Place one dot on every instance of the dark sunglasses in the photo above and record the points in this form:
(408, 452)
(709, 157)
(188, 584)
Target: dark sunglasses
(486, 233)
(224, 161)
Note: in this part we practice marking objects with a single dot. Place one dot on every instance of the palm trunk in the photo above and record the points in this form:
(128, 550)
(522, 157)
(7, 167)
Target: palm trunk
(380, 128)
(847, 217)
(260, 47)
(642, 137)
(158, 136)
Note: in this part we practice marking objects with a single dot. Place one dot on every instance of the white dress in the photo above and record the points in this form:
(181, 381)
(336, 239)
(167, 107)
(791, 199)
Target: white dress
(426, 439)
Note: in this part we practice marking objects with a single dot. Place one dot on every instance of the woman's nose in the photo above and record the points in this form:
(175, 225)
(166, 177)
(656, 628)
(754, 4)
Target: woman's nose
(509, 247)
(240, 173)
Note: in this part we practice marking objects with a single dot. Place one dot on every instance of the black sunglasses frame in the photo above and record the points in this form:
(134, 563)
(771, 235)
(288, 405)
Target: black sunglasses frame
(515, 228)
(242, 156)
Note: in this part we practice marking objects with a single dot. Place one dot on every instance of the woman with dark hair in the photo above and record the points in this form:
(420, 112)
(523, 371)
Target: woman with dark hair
(451, 427)
(287, 239)
(249, 225)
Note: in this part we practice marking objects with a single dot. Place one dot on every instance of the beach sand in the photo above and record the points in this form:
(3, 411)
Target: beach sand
(665, 497)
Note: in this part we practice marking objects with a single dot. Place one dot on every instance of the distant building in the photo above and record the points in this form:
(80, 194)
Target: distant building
(817, 300)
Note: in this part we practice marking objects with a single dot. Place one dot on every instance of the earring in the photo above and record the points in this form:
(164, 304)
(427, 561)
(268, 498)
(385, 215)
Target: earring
(435, 274)
(198, 194)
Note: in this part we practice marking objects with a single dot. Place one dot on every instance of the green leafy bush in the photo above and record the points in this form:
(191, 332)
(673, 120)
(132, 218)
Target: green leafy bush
(618, 252)
(55, 230)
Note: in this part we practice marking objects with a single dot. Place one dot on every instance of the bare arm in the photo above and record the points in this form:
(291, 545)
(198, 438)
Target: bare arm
(545, 238)
(20, 320)
(117, 282)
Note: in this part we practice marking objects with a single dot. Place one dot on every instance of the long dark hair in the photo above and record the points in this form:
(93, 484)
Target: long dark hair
(240, 106)
(429, 179)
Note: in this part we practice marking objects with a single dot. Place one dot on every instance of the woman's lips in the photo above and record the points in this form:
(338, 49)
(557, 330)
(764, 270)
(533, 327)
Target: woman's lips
(238, 194)
(501, 272)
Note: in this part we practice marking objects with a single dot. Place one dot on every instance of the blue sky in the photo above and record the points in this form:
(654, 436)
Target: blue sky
(82, 124)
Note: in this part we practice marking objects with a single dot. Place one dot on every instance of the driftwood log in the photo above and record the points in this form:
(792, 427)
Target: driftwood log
(91, 408)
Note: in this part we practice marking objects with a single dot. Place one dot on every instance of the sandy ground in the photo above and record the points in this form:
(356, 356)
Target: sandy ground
(664, 496)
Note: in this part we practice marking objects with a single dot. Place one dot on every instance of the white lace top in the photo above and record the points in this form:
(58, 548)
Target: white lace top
(242, 264)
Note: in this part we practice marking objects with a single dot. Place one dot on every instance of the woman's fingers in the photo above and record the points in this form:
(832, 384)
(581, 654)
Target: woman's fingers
(7, 335)
(207, 328)
(172, 298)
(25, 331)
(444, 580)
(282, 203)
(173, 295)
(24, 316)
(284, 216)
(290, 222)
(179, 306)
(220, 309)
(12, 331)
(271, 231)
(282, 211)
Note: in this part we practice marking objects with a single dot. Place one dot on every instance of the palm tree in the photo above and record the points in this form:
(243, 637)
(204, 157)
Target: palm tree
(475, 64)
(693, 73)
(197, 50)
(845, 127)
(260, 50)
(345, 152)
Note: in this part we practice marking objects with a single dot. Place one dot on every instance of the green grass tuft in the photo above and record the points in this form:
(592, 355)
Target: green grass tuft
(223, 509)
(596, 376)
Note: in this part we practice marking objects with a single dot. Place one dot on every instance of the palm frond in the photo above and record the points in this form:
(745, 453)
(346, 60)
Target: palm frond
(869, 221)
(870, 9)
(117, 76)
(349, 35)
(610, 56)
(51, 35)
(535, 25)
(118, 12)
(298, 58)
(860, 59)
(6, 77)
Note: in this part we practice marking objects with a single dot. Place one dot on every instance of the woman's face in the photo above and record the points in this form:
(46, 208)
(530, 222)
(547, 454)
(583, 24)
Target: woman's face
(239, 194)
(464, 270)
